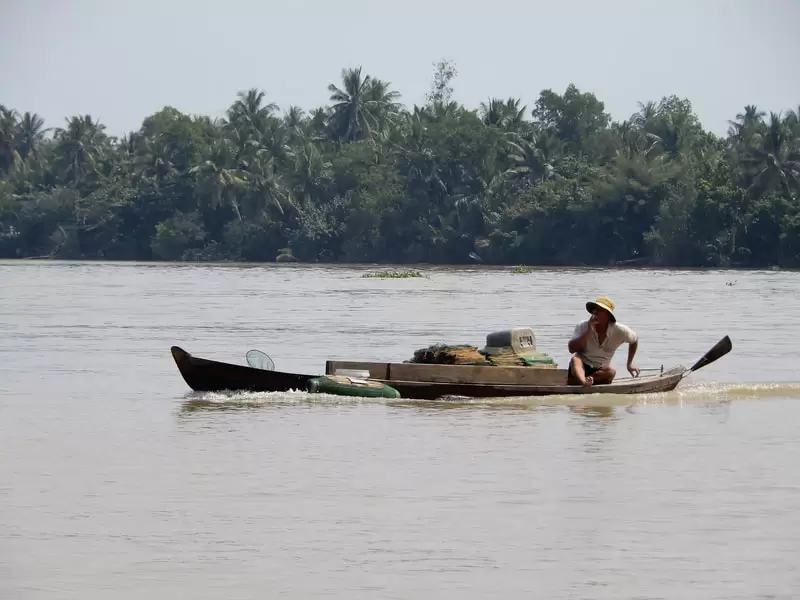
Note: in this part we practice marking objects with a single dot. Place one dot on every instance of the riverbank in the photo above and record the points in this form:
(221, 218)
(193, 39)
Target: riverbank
(557, 183)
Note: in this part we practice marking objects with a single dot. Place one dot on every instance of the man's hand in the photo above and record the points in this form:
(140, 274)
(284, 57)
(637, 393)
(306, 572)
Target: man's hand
(632, 369)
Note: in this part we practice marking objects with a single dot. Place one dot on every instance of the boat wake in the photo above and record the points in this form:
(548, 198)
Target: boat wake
(740, 390)
(701, 393)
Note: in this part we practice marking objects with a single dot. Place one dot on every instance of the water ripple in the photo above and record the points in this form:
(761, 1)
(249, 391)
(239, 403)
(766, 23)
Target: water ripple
(117, 481)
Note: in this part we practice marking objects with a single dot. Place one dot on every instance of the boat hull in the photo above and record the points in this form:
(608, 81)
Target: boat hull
(639, 385)
(205, 375)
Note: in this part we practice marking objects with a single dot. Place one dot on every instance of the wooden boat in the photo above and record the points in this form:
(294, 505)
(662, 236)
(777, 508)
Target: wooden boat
(428, 381)
(203, 375)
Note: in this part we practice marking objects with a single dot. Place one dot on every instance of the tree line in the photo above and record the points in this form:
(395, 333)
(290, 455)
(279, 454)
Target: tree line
(366, 179)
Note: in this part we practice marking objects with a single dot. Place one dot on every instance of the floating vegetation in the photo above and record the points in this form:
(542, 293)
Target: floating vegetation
(394, 274)
(522, 269)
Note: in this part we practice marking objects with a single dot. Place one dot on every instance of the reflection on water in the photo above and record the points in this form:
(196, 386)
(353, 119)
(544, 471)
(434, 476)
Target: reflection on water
(117, 481)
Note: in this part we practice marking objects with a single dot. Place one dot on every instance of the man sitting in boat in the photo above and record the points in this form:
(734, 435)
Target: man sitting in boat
(594, 343)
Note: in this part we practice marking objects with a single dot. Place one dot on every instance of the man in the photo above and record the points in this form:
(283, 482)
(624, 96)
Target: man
(594, 343)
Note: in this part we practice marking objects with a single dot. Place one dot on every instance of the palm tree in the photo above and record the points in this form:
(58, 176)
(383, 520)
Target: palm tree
(295, 123)
(350, 111)
(266, 188)
(30, 133)
(248, 113)
(219, 178)
(634, 139)
(9, 120)
(319, 123)
(534, 158)
(774, 159)
(277, 141)
(475, 209)
(362, 106)
(78, 149)
(444, 110)
(747, 123)
(792, 121)
(155, 161)
(415, 159)
(311, 172)
(493, 112)
(382, 103)
(668, 124)
(647, 112)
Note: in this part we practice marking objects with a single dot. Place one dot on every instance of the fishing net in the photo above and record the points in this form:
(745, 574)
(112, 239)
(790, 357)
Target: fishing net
(464, 354)
(442, 354)
(509, 358)
(259, 360)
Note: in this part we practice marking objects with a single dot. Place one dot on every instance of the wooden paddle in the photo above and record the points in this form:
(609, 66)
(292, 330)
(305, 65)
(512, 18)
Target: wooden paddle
(720, 349)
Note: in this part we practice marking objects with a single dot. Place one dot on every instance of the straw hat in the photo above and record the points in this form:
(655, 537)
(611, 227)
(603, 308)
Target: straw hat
(602, 302)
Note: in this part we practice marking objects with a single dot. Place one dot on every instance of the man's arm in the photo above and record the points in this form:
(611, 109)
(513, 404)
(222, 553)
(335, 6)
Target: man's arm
(633, 346)
(579, 338)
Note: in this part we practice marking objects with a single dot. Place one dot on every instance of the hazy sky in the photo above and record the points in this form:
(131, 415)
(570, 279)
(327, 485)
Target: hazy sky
(120, 61)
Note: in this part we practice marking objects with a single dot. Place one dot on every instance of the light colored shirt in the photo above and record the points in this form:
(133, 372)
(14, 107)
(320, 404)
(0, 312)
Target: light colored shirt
(599, 356)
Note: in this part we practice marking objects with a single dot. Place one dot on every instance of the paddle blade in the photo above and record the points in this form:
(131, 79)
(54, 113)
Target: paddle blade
(718, 351)
(259, 360)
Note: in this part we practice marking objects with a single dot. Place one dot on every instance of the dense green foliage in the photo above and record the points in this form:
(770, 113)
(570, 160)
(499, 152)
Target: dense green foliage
(368, 180)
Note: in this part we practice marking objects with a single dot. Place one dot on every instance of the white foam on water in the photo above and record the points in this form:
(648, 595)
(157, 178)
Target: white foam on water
(691, 394)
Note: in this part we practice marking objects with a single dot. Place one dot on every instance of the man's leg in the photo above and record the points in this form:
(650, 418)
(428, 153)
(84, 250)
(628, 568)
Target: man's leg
(577, 373)
(604, 375)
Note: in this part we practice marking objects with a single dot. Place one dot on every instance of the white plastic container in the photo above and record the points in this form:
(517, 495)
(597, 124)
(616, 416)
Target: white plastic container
(354, 373)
